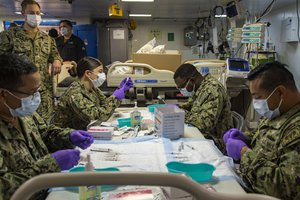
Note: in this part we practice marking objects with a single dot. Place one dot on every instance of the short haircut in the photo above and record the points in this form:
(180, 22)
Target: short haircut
(68, 22)
(186, 70)
(12, 68)
(53, 33)
(25, 3)
(86, 63)
(273, 74)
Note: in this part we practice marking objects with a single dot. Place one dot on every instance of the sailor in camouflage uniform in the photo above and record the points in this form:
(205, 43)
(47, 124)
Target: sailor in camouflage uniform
(39, 47)
(28, 145)
(84, 101)
(208, 107)
(269, 156)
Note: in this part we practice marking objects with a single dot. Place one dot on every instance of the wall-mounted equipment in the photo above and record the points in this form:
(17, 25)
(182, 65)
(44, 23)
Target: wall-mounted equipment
(253, 33)
(289, 30)
(115, 10)
(231, 9)
(190, 36)
(234, 35)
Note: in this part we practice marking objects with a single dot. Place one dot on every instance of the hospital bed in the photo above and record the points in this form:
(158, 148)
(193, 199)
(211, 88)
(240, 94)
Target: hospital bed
(127, 178)
(148, 82)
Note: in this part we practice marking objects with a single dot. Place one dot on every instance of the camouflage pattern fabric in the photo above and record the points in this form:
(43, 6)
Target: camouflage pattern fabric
(272, 166)
(77, 107)
(41, 50)
(26, 154)
(209, 110)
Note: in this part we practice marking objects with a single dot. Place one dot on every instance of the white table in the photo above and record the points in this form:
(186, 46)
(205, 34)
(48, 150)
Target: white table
(227, 186)
(189, 131)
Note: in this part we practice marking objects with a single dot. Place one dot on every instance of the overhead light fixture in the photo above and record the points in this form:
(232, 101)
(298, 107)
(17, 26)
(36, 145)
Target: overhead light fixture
(140, 15)
(220, 15)
(138, 0)
(20, 13)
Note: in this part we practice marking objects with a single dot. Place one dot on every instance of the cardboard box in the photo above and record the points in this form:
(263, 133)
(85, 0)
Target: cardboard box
(170, 60)
(101, 133)
(169, 121)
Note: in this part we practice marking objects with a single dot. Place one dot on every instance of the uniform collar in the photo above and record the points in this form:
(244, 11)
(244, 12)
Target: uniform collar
(279, 121)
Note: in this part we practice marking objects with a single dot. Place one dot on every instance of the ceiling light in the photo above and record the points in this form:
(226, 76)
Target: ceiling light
(138, 0)
(20, 13)
(220, 15)
(140, 15)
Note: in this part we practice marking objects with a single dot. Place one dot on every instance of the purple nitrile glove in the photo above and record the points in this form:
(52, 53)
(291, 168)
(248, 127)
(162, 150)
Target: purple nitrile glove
(126, 84)
(234, 134)
(119, 94)
(81, 139)
(66, 159)
(234, 147)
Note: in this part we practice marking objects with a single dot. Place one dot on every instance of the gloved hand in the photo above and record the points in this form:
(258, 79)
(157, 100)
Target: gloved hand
(234, 134)
(66, 159)
(119, 94)
(81, 139)
(126, 84)
(234, 147)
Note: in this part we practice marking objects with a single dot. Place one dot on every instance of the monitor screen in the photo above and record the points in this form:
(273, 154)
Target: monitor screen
(237, 65)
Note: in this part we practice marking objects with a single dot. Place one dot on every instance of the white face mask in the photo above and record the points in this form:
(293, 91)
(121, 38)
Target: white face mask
(261, 106)
(99, 81)
(28, 105)
(64, 31)
(33, 20)
(186, 93)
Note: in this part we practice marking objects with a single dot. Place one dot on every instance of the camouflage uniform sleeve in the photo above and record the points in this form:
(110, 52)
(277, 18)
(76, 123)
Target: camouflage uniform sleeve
(5, 42)
(11, 181)
(205, 111)
(55, 138)
(273, 172)
(54, 54)
(249, 134)
(88, 110)
(188, 105)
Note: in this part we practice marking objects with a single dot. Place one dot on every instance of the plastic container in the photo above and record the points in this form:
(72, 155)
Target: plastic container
(125, 121)
(151, 108)
(91, 191)
(103, 187)
(200, 172)
(135, 116)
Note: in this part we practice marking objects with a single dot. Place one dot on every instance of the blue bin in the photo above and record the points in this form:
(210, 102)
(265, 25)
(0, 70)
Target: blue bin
(200, 172)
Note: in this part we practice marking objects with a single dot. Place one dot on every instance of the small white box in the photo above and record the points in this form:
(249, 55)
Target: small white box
(169, 121)
(101, 133)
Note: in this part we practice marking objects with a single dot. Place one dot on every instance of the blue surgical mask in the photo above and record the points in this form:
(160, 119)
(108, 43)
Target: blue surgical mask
(185, 92)
(261, 106)
(99, 81)
(28, 105)
(64, 31)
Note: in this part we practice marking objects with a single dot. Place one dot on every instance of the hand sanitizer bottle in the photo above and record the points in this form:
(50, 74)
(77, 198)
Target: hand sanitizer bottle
(89, 192)
(135, 116)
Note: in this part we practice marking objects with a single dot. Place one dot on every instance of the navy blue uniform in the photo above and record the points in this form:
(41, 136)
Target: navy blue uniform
(71, 50)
